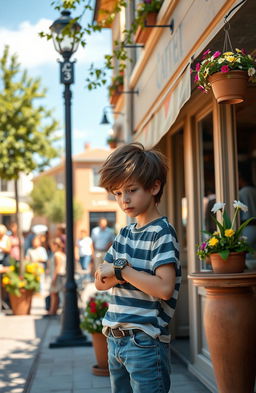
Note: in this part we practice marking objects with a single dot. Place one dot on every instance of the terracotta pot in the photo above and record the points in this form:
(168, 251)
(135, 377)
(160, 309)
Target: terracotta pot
(229, 87)
(142, 32)
(235, 263)
(21, 305)
(112, 145)
(230, 326)
(101, 352)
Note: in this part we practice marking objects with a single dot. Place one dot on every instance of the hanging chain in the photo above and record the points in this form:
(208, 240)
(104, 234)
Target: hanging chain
(227, 41)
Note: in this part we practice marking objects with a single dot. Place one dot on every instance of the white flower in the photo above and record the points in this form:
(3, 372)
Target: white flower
(218, 206)
(251, 71)
(220, 60)
(240, 205)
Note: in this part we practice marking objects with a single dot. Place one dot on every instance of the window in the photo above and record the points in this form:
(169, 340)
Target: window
(4, 185)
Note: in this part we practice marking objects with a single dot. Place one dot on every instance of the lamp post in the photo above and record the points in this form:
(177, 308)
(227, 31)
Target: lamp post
(66, 44)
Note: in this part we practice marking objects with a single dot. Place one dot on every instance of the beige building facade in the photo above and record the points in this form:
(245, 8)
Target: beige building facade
(206, 143)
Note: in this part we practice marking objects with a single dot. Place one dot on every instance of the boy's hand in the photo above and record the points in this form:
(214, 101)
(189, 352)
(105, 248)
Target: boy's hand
(105, 270)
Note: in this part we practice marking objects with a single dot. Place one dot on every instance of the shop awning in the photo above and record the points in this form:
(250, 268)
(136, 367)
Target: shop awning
(166, 113)
(8, 206)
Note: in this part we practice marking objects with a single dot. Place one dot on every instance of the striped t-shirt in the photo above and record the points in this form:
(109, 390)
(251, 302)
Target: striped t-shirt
(145, 249)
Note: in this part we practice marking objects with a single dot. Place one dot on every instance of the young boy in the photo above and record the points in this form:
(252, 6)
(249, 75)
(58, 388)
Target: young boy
(142, 268)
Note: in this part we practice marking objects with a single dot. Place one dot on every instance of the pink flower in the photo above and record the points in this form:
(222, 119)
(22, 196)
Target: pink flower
(196, 78)
(203, 246)
(198, 67)
(224, 69)
(243, 51)
(216, 54)
(206, 53)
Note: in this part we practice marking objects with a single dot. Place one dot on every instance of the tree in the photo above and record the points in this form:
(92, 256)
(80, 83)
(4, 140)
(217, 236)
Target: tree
(49, 201)
(27, 129)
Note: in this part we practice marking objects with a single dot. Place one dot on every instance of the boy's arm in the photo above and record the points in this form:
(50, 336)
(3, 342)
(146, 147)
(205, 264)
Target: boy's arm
(161, 285)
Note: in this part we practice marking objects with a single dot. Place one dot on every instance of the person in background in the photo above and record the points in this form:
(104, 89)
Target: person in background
(102, 237)
(247, 195)
(85, 253)
(15, 247)
(58, 275)
(5, 246)
(61, 233)
(38, 254)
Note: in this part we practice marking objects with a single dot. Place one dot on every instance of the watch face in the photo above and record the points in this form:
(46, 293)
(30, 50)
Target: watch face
(120, 262)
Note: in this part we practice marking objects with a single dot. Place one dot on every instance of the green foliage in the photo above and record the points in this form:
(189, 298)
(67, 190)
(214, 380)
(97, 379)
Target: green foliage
(41, 194)
(27, 129)
(49, 201)
(94, 312)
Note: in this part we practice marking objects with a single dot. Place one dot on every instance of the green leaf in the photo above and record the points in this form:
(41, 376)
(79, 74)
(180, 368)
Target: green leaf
(224, 254)
(226, 220)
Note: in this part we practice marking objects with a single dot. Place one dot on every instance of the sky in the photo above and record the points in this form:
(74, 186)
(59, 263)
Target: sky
(20, 23)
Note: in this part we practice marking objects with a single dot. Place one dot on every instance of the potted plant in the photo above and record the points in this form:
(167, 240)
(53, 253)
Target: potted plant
(91, 322)
(21, 287)
(112, 142)
(146, 12)
(226, 247)
(226, 73)
(116, 88)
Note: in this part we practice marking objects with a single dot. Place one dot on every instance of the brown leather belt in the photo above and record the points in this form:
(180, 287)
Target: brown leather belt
(119, 333)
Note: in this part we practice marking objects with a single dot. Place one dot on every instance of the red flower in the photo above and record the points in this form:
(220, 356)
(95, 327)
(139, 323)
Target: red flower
(93, 307)
(224, 69)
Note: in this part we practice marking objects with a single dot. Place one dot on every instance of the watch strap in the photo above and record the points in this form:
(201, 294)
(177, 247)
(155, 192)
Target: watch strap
(118, 274)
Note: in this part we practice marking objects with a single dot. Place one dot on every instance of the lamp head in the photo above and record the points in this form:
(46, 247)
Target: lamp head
(104, 119)
(65, 41)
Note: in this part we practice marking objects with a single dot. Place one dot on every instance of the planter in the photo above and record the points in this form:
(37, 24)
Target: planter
(101, 352)
(21, 305)
(142, 32)
(114, 97)
(112, 145)
(230, 325)
(235, 263)
(229, 87)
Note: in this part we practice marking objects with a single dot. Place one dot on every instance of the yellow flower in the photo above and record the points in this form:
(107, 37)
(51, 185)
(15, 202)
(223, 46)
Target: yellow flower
(41, 270)
(228, 53)
(231, 59)
(21, 284)
(30, 268)
(5, 280)
(238, 50)
(216, 233)
(213, 241)
(37, 278)
(229, 232)
(12, 268)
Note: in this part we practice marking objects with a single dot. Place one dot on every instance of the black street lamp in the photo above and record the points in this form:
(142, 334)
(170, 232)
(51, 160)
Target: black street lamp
(66, 43)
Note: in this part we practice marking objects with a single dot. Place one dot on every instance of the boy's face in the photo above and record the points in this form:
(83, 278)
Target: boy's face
(134, 200)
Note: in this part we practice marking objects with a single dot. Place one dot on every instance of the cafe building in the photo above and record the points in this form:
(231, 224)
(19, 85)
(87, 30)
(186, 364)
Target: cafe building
(207, 144)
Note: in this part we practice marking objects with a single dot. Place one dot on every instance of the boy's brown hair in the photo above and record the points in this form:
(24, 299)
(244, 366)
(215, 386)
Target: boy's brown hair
(134, 162)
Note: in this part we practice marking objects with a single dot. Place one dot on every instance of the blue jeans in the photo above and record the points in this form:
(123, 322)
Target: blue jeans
(139, 364)
(84, 261)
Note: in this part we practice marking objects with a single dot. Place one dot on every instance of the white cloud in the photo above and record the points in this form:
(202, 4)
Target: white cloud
(34, 51)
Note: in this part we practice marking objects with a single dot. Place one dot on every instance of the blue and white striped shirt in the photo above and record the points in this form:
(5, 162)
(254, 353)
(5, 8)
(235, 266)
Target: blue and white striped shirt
(145, 249)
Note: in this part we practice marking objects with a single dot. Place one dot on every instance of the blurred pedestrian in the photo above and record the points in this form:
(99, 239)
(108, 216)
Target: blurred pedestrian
(58, 275)
(38, 254)
(15, 243)
(5, 246)
(102, 237)
(85, 253)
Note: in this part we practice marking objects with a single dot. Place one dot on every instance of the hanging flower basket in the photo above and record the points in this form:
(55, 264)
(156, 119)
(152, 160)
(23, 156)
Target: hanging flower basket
(142, 32)
(230, 87)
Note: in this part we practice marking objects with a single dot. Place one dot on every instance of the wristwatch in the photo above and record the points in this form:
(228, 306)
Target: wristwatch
(119, 264)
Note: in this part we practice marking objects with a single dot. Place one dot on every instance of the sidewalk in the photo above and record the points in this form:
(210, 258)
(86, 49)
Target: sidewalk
(27, 365)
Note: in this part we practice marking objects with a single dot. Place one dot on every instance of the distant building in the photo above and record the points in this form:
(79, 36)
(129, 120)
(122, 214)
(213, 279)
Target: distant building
(95, 200)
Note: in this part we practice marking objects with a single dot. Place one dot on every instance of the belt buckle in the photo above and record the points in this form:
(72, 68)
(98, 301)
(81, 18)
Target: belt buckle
(113, 331)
